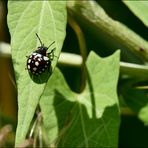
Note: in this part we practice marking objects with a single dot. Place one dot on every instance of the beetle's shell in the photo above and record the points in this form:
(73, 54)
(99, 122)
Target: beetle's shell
(37, 63)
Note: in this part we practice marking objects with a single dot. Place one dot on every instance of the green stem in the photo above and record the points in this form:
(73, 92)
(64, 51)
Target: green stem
(74, 60)
(83, 50)
(80, 37)
(133, 70)
(92, 14)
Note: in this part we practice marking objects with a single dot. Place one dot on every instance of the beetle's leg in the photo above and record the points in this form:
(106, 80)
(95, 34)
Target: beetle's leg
(51, 54)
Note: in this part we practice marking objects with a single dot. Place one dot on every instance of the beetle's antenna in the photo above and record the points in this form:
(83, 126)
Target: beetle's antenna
(39, 39)
(51, 44)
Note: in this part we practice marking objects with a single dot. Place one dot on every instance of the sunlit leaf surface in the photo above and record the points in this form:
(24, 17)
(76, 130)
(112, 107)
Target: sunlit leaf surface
(25, 18)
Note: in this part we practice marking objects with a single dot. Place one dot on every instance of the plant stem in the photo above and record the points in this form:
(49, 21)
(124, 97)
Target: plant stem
(74, 60)
(83, 50)
(133, 70)
(5, 50)
(91, 14)
(80, 37)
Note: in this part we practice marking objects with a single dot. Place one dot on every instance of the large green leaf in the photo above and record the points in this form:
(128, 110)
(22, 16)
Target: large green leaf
(25, 18)
(89, 119)
(139, 8)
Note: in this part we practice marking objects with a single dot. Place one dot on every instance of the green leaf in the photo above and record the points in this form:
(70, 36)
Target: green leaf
(140, 9)
(25, 18)
(137, 100)
(89, 119)
(143, 114)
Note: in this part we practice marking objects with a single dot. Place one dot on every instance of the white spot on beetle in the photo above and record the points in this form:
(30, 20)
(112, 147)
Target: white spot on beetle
(34, 54)
(38, 55)
(29, 60)
(37, 63)
(34, 68)
(45, 58)
(28, 66)
(39, 59)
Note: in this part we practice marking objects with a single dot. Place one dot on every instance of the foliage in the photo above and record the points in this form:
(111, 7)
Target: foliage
(40, 20)
(79, 103)
(70, 115)
(139, 8)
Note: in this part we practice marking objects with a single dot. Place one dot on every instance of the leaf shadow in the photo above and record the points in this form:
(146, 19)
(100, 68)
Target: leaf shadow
(76, 128)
